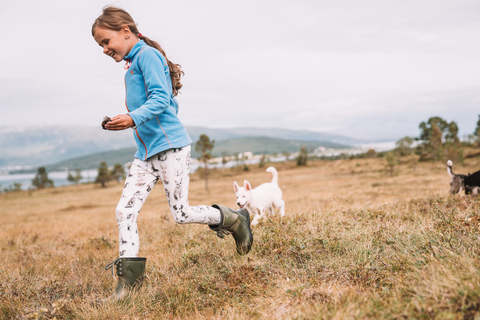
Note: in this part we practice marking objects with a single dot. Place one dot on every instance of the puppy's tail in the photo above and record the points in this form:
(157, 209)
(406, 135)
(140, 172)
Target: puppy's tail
(449, 168)
(274, 173)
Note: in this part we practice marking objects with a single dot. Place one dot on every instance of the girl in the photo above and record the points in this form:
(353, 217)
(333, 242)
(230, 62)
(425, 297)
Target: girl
(163, 145)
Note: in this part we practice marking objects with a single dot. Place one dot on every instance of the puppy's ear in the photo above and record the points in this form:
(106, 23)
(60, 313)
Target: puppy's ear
(235, 186)
(247, 185)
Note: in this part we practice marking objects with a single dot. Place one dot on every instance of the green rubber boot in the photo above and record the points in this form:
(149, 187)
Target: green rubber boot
(236, 222)
(130, 273)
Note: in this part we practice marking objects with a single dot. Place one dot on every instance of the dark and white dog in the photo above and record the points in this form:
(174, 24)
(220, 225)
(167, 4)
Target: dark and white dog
(470, 183)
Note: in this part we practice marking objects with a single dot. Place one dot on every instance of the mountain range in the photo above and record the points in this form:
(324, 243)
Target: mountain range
(51, 145)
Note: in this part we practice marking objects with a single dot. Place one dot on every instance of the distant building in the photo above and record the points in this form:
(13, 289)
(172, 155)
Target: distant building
(245, 155)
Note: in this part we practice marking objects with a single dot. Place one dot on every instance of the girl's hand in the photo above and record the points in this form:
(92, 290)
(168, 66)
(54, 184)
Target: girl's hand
(120, 122)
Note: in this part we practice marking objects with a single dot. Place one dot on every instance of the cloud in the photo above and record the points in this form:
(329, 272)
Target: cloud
(363, 68)
(390, 117)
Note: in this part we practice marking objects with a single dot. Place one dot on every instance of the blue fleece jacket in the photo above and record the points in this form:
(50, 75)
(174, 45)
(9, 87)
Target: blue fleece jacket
(150, 103)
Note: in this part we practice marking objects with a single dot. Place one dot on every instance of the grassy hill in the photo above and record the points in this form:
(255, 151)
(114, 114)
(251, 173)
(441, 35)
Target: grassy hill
(257, 145)
(92, 161)
(355, 243)
(267, 145)
(42, 145)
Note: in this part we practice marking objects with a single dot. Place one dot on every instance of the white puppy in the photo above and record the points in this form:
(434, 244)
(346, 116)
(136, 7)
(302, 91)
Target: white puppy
(264, 197)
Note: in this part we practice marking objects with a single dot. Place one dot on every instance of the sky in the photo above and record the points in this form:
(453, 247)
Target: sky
(370, 69)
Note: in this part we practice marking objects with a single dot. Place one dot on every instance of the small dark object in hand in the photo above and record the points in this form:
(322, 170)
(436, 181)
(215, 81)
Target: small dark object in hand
(104, 122)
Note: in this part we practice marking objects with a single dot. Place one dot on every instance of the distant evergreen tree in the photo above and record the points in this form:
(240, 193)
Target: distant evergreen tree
(118, 172)
(302, 156)
(71, 178)
(75, 178)
(41, 179)
(204, 146)
(103, 175)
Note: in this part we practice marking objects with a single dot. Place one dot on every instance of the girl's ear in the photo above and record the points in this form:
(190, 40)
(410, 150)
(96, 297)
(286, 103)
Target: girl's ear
(126, 31)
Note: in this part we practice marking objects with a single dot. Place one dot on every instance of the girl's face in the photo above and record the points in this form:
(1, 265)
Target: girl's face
(115, 44)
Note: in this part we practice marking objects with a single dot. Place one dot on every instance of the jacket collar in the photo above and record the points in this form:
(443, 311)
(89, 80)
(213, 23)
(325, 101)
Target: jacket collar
(135, 50)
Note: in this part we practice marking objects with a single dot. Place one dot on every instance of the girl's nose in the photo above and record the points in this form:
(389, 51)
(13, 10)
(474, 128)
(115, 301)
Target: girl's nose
(105, 49)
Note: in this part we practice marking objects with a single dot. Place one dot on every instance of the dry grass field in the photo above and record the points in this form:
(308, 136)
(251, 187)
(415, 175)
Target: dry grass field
(355, 243)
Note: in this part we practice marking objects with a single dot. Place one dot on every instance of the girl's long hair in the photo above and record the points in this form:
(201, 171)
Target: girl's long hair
(114, 18)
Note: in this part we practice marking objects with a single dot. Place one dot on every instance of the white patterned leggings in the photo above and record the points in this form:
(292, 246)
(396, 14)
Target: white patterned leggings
(173, 168)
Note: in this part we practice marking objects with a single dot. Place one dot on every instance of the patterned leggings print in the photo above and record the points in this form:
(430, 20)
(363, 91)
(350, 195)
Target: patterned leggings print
(173, 168)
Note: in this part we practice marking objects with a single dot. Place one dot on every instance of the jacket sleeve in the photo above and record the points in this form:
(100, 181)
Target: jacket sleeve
(156, 86)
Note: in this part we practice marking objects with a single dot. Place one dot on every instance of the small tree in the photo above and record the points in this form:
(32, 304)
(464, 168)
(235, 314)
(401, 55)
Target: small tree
(224, 158)
(391, 159)
(41, 179)
(476, 133)
(103, 175)
(75, 178)
(452, 133)
(302, 156)
(434, 135)
(204, 146)
(404, 146)
(371, 153)
(16, 186)
(118, 172)
(261, 164)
